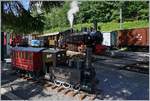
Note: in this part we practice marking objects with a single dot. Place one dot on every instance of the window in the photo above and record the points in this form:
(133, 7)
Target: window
(16, 54)
(55, 37)
(30, 55)
(26, 55)
(23, 55)
(20, 54)
(13, 54)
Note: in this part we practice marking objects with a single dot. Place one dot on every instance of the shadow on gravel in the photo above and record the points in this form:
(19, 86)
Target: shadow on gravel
(26, 90)
(121, 84)
(21, 88)
(7, 74)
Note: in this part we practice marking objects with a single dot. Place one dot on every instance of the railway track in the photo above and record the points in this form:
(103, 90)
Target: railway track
(49, 86)
(126, 64)
(138, 67)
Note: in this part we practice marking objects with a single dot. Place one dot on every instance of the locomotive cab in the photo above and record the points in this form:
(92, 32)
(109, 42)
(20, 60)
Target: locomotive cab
(55, 66)
(53, 57)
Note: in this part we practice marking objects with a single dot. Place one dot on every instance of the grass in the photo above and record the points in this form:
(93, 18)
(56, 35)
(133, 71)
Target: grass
(107, 27)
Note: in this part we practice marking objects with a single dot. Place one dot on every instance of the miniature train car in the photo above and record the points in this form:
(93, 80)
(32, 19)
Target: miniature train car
(38, 62)
(27, 60)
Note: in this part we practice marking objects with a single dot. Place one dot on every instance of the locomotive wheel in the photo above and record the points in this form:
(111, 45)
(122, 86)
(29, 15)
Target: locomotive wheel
(66, 85)
(17, 71)
(30, 75)
(76, 87)
(57, 82)
(34, 76)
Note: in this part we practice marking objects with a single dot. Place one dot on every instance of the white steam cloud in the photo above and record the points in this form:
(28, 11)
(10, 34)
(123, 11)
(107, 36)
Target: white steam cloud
(38, 7)
(73, 9)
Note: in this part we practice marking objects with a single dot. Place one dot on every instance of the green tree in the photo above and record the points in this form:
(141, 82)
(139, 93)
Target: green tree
(54, 14)
(18, 20)
(57, 17)
(135, 10)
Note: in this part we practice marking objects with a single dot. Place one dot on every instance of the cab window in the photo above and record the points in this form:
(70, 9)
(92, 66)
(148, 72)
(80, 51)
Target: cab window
(17, 54)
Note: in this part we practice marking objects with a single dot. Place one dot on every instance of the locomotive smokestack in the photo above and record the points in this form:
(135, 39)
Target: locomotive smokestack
(71, 30)
(95, 24)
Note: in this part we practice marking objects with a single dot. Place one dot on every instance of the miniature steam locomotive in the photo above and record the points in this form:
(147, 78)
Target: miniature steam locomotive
(61, 70)
(38, 62)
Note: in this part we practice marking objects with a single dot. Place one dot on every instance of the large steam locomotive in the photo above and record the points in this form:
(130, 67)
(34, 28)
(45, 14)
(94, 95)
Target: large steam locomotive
(78, 41)
(75, 40)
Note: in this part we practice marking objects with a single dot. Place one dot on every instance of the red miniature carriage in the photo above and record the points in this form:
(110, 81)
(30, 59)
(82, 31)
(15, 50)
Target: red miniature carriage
(27, 59)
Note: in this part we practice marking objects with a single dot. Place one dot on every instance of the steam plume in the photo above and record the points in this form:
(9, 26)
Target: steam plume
(38, 7)
(73, 9)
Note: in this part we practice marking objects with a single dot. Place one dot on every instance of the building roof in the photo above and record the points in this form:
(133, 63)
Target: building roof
(48, 34)
(29, 49)
(53, 50)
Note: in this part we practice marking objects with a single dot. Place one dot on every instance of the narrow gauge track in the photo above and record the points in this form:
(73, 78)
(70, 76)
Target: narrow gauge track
(140, 67)
(49, 86)
(136, 66)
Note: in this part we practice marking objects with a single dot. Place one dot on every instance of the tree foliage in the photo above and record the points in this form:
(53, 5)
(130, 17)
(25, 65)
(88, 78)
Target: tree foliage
(135, 10)
(57, 17)
(106, 11)
(18, 20)
(54, 14)
(101, 11)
